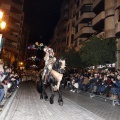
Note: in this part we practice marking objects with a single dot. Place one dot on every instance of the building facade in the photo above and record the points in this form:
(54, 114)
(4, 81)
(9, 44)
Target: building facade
(92, 17)
(58, 42)
(14, 17)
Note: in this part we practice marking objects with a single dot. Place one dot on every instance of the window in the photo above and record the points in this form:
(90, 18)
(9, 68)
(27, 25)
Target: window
(119, 15)
(80, 41)
(89, 23)
(86, 8)
(67, 40)
(72, 39)
(76, 29)
(68, 28)
(76, 43)
(77, 16)
(77, 3)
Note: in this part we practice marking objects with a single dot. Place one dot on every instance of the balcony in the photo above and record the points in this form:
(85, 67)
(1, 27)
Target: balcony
(110, 33)
(84, 2)
(63, 39)
(13, 27)
(11, 47)
(11, 37)
(13, 4)
(95, 3)
(18, 1)
(98, 4)
(66, 7)
(98, 18)
(65, 17)
(15, 16)
(117, 29)
(17, 6)
(82, 25)
(64, 28)
(118, 4)
(85, 17)
(84, 32)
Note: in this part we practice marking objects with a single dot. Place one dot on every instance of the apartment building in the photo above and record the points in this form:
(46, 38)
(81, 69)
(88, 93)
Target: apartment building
(106, 22)
(70, 25)
(59, 40)
(83, 22)
(92, 17)
(14, 17)
(24, 43)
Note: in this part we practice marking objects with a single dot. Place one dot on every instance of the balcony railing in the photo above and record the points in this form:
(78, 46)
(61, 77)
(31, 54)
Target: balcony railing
(98, 18)
(117, 29)
(15, 16)
(11, 37)
(118, 4)
(18, 7)
(82, 25)
(85, 17)
(66, 7)
(11, 47)
(95, 3)
(14, 27)
(84, 32)
(84, 2)
(110, 33)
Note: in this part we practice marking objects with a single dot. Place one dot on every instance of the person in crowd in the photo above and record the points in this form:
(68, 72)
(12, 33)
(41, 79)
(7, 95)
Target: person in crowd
(116, 89)
(80, 82)
(2, 93)
(89, 86)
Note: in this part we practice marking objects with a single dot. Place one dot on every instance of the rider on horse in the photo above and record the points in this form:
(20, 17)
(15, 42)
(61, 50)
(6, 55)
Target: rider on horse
(49, 61)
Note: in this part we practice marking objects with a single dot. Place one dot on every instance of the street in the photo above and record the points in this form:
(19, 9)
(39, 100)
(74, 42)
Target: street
(27, 105)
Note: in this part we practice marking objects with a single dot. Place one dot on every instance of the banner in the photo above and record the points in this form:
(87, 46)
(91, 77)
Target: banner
(1, 42)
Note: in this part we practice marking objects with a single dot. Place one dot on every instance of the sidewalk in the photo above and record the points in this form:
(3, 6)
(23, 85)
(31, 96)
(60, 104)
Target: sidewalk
(7, 103)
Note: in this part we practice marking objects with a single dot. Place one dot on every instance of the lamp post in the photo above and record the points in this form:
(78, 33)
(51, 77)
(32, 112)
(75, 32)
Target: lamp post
(2, 26)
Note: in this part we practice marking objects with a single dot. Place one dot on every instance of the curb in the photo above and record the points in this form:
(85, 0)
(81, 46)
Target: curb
(7, 106)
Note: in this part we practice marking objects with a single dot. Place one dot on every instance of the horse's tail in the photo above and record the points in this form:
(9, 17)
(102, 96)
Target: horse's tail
(40, 85)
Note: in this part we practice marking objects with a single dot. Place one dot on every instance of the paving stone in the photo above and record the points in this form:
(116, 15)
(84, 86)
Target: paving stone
(28, 106)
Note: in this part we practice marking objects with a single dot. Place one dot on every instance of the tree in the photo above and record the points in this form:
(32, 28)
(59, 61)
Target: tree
(98, 51)
(72, 58)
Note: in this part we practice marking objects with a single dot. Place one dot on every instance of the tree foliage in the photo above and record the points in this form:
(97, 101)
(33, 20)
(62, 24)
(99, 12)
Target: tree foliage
(72, 58)
(98, 51)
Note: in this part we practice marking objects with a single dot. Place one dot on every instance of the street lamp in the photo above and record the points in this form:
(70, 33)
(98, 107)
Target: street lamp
(2, 23)
(2, 26)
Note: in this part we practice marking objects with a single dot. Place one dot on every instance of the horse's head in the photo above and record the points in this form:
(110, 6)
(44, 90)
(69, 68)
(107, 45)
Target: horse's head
(59, 65)
(62, 65)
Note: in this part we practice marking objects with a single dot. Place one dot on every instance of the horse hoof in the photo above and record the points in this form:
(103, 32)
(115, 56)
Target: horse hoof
(41, 97)
(46, 98)
(51, 100)
(61, 103)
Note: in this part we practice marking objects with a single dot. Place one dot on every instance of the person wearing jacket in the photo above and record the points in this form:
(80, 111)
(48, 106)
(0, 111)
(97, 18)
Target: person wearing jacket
(116, 89)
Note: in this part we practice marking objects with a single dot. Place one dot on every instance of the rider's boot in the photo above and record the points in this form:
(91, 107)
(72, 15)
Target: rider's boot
(45, 78)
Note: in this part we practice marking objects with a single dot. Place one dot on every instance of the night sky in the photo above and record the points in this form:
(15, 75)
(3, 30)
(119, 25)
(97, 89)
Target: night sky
(42, 17)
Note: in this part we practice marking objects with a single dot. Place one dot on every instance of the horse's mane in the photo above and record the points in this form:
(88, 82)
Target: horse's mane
(57, 65)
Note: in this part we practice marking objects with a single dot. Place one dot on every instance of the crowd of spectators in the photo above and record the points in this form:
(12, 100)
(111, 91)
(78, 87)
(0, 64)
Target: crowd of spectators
(105, 83)
(9, 81)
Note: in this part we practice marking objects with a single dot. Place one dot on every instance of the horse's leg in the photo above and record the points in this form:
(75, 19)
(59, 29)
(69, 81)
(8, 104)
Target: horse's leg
(44, 93)
(52, 94)
(60, 99)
